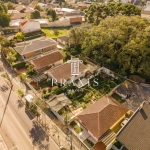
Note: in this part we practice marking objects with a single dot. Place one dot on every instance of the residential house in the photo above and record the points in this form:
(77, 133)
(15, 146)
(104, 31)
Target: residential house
(33, 48)
(62, 73)
(17, 22)
(64, 12)
(29, 26)
(133, 93)
(15, 16)
(63, 40)
(100, 120)
(57, 103)
(21, 8)
(26, 2)
(28, 11)
(12, 11)
(47, 61)
(135, 134)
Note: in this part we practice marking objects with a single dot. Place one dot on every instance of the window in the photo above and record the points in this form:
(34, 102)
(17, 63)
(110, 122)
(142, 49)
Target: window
(37, 52)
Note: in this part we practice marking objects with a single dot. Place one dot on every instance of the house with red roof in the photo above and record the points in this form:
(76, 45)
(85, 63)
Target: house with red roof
(29, 26)
(100, 122)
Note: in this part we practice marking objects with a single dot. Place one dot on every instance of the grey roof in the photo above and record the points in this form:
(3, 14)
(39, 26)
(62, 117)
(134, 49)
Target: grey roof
(58, 102)
(64, 38)
(34, 45)
(135, 135)
(137, 94)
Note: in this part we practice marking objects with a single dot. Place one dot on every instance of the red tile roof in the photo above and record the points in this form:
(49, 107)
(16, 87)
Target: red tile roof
(64, 71)
(47, 60)
(99, 146)
(100, 116)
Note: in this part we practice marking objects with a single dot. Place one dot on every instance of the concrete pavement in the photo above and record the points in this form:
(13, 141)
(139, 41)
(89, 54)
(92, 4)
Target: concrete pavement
(18, 125)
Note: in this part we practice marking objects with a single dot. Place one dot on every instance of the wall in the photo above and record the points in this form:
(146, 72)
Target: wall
(57, 23)
(58, 116)
(58, 62)
(47, 49)
(31, 27)
(30, 55)
(62, 42)
(76, 19)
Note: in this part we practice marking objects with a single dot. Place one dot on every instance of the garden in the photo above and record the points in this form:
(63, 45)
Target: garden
(75, 127)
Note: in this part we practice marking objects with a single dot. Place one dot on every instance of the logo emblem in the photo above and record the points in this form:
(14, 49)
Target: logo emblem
(75, 65)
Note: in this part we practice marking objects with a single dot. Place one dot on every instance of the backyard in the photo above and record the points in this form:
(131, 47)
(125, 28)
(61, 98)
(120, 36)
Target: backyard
(80, 97)
(56, 32)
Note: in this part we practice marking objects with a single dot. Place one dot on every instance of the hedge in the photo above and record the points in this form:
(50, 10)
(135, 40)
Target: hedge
(33, 37)
(19, 65)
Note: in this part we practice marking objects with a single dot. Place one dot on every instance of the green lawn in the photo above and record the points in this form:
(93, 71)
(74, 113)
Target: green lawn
(56, 32)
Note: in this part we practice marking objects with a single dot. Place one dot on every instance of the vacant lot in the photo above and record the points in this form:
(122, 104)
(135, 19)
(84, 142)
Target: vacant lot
(56, 32)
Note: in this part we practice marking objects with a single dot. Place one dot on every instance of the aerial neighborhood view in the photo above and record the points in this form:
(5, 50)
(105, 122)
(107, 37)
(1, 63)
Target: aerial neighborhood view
(74, 75)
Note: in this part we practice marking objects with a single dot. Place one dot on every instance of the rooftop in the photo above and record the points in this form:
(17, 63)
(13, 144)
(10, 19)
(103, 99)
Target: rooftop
(58, 102)
(15, 16)
(25, 22)
(135, 134)
(137, 93)
(100, 116)
(34, 45)
(47, 60)
(64, 71)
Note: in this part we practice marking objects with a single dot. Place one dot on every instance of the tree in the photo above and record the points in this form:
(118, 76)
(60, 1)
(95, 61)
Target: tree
(21, 93)
(49, 11)
(38, 7)
(20, 36)
(23, 77)
(3, 7)
(97, 12)
(54, 15)
(120, 43)
(35, 14)
(77, 34)
(4, 19)
(11, 55)
(10, 6)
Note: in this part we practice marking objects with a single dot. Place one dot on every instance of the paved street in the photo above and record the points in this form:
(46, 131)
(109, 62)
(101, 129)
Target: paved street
(18, 126)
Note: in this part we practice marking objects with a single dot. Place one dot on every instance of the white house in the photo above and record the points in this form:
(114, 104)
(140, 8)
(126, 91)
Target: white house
(28, 26)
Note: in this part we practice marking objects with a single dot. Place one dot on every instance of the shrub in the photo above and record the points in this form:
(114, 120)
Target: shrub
(20, 92)
(23, 77)
(33, 109)
(60, 90)
(54, 88)
(19, 65)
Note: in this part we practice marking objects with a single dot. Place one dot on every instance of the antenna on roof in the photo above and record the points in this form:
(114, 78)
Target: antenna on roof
(141, 106)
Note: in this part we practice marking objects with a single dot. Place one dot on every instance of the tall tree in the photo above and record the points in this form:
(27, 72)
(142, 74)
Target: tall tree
(54, 15)
(35, 14)
(4, 19)
(38, 7)
(120, 43)
(10, 6)
(96, 12)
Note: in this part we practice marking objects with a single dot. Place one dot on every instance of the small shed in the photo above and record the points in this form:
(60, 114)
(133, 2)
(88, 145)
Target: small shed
(56, 103)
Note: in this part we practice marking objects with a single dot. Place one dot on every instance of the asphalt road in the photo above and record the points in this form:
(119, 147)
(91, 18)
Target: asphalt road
(18, 127)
